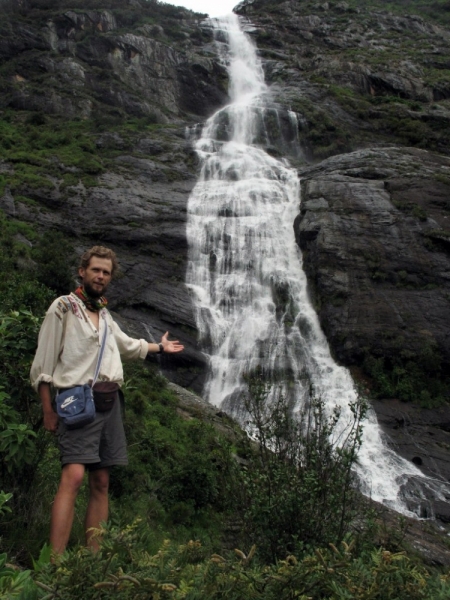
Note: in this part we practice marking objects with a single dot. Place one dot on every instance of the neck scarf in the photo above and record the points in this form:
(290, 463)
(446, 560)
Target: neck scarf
(93, 304)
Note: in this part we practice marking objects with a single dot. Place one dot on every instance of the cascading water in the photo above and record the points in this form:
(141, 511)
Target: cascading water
(245, 268)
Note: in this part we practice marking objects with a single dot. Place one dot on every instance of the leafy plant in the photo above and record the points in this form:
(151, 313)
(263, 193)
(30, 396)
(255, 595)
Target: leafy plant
(415, 377)
(301, 491)
(15, 583)
(4, 498)
(17, 445)
(124, 569)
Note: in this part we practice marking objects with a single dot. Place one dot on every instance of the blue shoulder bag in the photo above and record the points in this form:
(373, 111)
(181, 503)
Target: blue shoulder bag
(75, 406)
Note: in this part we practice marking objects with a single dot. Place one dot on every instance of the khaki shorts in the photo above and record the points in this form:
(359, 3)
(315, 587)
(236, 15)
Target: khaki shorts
(100, 444)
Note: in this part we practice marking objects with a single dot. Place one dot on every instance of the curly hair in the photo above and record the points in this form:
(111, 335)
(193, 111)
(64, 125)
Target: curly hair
(99, 252)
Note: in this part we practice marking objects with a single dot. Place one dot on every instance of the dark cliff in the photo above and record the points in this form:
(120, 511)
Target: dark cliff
(97, 100)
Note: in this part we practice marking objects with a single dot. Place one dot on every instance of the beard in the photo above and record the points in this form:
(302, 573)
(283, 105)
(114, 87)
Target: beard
(91, 292)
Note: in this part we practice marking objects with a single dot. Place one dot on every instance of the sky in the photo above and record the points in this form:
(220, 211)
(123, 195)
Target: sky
(214, 8)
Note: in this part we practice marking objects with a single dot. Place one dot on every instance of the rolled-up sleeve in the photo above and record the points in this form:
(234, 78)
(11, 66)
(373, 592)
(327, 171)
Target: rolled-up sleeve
(129, 348)
(48, 350)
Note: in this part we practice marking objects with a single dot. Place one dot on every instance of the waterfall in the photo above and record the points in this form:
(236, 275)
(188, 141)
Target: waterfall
(245, 269)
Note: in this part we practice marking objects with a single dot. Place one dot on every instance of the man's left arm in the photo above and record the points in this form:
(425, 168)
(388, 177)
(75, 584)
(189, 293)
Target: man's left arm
(131, 348)
(165, 345)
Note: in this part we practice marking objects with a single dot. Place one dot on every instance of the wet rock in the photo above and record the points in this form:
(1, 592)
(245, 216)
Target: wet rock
(354, 221)
(420, 435)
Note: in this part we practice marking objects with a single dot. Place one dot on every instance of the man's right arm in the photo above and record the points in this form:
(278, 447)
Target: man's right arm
(50, 343)
(50, 417)
(44, 363)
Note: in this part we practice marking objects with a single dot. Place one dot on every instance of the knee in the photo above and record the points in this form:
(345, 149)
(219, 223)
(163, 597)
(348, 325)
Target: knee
(99, 482)
(72, 477)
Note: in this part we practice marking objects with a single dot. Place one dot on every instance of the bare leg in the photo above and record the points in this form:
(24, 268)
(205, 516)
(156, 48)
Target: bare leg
(97, 510)
(64, 506)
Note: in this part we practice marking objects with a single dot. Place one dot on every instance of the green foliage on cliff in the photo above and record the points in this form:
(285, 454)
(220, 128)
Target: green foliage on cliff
(41, 151)
(434, 10)
(417, 378)
(126, 15)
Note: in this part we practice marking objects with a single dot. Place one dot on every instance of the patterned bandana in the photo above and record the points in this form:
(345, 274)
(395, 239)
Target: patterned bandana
(93, 304)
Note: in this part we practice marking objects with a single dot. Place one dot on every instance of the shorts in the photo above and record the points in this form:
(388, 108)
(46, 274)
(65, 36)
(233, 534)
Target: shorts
(98, 445)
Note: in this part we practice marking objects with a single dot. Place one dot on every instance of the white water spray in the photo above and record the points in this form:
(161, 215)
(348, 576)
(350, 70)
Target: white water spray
(245, 269)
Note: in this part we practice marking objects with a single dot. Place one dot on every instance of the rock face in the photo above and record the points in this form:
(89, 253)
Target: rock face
(370, 227)
(422, 436)
(372, 97)
(352, 73)
(379, 276)
(87, 63)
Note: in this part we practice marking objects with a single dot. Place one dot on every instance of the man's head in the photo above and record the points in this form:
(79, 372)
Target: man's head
(97, 266)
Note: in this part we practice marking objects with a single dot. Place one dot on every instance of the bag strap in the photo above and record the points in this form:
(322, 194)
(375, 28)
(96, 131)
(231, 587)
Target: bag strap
(101, 352)
(72, 305)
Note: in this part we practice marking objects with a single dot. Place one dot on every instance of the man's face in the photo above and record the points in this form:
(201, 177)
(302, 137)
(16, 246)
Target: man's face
(96, 276)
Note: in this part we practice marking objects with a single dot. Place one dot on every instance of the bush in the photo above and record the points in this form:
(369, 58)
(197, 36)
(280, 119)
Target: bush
(124, 569)
(27, 452)
(54, 255)
(300, 492)
(181, 464)
(419, 378)
(23, 443)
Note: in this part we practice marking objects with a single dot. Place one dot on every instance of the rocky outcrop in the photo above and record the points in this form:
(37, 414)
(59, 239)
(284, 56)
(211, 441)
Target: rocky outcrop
(87, 55)
(352, 74)
(379, 275)
(422, 436)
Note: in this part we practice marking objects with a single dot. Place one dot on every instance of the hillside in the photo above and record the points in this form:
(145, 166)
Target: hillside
(100, 100)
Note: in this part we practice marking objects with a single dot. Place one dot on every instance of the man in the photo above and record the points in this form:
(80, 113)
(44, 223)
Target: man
(67, 353)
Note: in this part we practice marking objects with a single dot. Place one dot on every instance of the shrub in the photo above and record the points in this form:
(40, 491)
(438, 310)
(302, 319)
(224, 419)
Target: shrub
(124, 569)
(301, 491)
(182, 464)
(55, 258)
(419, 377)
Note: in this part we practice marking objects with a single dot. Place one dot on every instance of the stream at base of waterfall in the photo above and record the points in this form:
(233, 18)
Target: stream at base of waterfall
(246, 278)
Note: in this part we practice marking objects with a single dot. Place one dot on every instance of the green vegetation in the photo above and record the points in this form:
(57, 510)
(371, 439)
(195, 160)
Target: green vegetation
(149, 10)
(294, 500)
(409, 376)
(49, 159)
(301, 476)
(38, 152)
(434, 10)
(412, 208)
(126, 569)
(321, 135)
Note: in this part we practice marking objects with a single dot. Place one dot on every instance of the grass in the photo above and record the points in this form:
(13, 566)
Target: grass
(41, 148)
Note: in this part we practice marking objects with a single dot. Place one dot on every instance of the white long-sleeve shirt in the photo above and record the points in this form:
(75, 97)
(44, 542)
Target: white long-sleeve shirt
(69, 343)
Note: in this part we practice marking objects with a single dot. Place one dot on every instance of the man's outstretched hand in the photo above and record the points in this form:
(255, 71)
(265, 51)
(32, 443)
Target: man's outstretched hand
(171, 346)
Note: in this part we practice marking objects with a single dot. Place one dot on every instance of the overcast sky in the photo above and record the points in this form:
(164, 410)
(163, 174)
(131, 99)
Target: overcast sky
(214, 8)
